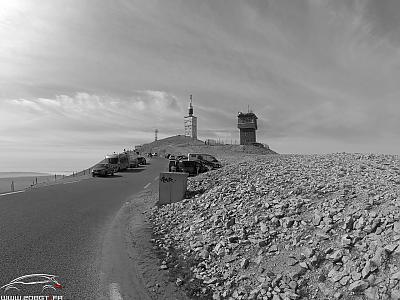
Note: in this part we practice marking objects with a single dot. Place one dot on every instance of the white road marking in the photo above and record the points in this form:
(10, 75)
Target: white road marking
(71, 182)
(10, 193)
(114, 292)
(155, 179)
(147, 185)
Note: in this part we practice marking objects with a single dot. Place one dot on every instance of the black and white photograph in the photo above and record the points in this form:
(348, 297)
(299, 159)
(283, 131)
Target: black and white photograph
(199, 149)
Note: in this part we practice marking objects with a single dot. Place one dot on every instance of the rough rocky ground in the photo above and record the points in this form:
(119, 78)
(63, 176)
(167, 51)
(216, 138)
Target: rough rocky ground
(287, 227)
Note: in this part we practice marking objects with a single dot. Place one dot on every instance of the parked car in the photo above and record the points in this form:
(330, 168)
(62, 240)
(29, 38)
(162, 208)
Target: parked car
(133, 162)
(173, 165)
(133, 159)
(206, 159)
(141, 160)
(103, 169)
(181, 157)
(212, 164)
(172, 157)
(192, 167)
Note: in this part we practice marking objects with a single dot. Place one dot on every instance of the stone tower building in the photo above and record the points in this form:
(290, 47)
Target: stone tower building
(247, 124)
(190, 122)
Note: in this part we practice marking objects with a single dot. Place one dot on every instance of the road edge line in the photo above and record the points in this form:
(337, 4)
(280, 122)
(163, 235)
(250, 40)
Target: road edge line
(114, 292)
(10, 193)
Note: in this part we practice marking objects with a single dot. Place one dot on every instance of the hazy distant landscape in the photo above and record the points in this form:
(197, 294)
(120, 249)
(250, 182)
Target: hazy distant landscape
(21, 174)
(23, 180)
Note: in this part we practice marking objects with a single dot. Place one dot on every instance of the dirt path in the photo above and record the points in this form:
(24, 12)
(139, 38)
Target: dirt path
(130, 268)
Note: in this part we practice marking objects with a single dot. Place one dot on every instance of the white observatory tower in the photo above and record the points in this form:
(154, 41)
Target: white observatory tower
(191, 122)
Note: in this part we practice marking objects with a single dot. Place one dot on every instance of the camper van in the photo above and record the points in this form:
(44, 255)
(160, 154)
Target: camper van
(113, 161)
(123, 161)
(118, 161)
(133, 160)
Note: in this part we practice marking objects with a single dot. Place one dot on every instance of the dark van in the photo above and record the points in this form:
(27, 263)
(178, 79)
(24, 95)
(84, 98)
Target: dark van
(192, 167)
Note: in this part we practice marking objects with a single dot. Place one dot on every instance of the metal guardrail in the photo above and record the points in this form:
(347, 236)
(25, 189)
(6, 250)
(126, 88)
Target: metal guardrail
(19, 185)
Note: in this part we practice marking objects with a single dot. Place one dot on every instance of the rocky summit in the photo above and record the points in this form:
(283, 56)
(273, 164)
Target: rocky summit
(287, 227)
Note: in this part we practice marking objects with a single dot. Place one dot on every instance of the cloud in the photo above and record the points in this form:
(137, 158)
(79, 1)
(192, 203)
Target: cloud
(87, 118)
(312, 69)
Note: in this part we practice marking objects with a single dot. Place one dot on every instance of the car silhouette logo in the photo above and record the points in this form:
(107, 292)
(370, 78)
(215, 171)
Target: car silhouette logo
(47, 281)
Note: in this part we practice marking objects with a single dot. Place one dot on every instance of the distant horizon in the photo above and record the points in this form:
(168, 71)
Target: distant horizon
(89, 163)
(11, 174)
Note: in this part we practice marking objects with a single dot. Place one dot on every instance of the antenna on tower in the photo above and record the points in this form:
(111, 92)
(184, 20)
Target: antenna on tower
(248, 108)
(155, 134)
(190, 105)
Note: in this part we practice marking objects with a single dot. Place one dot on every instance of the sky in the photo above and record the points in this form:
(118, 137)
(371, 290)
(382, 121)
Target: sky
(83, 78)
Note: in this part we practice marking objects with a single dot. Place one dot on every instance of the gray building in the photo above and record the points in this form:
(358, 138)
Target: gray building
(190, 122)
(247, 124)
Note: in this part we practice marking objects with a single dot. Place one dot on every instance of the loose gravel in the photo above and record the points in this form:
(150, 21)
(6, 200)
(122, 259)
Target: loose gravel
(287, 227)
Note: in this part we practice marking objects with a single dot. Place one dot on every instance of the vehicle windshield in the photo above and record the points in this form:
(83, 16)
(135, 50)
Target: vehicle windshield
(210, 158)
(188, 163)
(112, 160)
(101, 166)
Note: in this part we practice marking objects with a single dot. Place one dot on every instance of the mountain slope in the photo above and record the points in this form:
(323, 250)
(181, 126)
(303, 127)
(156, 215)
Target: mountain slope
(180, 144)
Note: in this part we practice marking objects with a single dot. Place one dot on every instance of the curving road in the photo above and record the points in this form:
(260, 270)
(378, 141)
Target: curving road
(60, 229)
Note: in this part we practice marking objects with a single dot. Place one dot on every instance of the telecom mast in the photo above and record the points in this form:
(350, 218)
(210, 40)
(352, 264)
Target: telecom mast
(190, 122)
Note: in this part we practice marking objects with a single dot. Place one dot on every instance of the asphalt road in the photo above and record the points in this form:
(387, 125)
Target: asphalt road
(60, 229)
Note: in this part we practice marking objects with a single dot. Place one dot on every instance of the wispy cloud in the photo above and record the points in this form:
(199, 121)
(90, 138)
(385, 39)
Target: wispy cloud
(86, 117)
(312, 69)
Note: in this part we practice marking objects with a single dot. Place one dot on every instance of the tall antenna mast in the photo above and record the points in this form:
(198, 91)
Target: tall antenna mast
(191, 105)
(155, 134)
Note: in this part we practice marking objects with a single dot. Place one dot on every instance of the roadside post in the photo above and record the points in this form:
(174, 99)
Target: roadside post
(172, 187)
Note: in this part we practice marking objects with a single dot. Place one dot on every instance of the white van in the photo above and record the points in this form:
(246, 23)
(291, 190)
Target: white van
(113, 161)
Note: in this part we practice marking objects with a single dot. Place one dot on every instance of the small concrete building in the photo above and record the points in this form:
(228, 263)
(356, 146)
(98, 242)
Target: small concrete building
(247, 124)
(190, 122)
